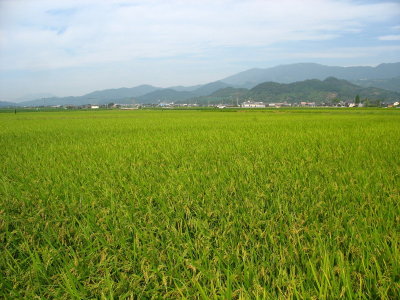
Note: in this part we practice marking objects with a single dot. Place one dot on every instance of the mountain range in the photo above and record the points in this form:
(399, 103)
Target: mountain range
(285, 82)
(313, 90)
(303, 71)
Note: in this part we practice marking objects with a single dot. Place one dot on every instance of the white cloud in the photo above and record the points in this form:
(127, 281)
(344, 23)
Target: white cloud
(44, 34)
(390, 37)
(332, 53)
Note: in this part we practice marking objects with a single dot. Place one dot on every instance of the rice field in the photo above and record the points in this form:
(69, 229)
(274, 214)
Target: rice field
(200, 204)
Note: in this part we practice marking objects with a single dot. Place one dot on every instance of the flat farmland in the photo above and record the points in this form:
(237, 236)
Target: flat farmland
(200, 204)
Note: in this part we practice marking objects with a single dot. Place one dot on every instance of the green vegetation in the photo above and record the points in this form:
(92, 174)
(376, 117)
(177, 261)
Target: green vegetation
(391, 84)
(240, 204)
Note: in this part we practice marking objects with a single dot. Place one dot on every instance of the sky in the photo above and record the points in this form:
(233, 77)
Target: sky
(68, 47)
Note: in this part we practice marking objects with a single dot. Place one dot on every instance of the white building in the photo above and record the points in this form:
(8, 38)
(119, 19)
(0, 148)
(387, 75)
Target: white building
(252, 104)
(279, 105)
(305, 103)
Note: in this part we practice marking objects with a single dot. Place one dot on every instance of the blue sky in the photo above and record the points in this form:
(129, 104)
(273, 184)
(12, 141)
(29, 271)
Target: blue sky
(74, 47)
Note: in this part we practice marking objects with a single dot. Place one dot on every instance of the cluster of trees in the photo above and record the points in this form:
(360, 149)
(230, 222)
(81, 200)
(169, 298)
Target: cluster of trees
(365, 102)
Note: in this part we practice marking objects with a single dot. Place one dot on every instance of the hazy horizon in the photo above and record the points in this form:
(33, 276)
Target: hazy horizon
(70, 48)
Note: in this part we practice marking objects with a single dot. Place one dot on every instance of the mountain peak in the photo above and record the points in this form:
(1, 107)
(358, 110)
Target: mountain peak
(331, 79)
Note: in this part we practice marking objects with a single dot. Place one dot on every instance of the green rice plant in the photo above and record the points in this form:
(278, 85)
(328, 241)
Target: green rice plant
(237, 204)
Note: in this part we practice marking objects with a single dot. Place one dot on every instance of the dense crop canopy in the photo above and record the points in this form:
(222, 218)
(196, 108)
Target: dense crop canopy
(197, 204)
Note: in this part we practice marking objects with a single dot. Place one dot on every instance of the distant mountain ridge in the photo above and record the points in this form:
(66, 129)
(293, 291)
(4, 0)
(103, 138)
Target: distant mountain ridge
(303, 71)
(311, 90)
(7, 104)
(168, 95)
(96, 97)
(165, 95)
(34, 96)
(385, 76)
(139, 94)
(122, 92)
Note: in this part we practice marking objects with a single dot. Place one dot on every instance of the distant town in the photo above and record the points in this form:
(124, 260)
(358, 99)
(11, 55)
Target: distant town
(246, 104)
